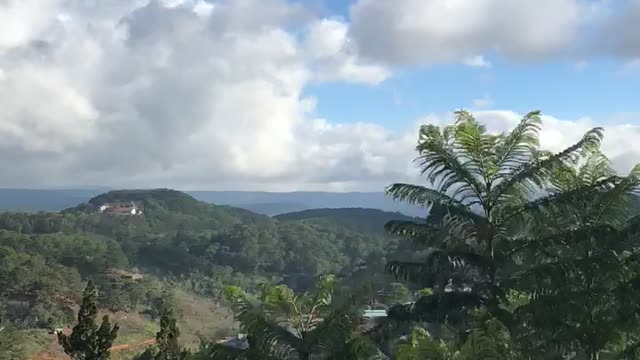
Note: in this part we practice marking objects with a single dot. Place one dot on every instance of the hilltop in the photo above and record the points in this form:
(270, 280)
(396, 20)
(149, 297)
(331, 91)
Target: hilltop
(275, 203)
(357, 219)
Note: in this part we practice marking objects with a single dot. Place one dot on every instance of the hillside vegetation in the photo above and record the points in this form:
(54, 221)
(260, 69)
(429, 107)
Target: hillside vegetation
(357, 219)
(185, 249)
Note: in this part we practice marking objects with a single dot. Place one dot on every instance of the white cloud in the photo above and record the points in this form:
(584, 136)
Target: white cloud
(424, 32)
(477, 61)
(619, 30)
(23, 20)
(128, 94)
(433, 31)
(581, 65)
(632, 65)
(482, 103)
(331, 51)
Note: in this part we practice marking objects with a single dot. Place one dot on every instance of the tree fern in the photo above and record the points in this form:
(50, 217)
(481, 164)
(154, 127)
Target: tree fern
(285, 325)
(508, 216)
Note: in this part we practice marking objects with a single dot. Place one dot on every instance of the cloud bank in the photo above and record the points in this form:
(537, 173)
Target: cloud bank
(210, 94)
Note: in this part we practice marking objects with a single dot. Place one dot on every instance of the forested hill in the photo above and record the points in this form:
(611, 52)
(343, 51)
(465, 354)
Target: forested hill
(158, 204)
(267, 203)
(357, 219)
(45, 257)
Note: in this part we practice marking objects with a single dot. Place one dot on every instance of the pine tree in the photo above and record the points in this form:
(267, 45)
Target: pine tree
(167, 339)
(88, 341)
(167, 345)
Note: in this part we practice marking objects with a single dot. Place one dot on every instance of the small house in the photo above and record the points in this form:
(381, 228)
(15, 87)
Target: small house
(122, 274)
(120, 209)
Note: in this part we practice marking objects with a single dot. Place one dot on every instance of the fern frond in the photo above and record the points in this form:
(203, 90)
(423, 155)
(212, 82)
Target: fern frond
(630, 352)
(616, 205)
(479, 346)
(563, 202)
(410, 229)
(440, 162)
(225, 352)
(437, 307)
(536, 171)
(475, 147)
(517, 147)
(411, 271)
(420, 345)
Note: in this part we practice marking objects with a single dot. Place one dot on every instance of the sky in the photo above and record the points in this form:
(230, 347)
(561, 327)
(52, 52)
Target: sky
(294, 95)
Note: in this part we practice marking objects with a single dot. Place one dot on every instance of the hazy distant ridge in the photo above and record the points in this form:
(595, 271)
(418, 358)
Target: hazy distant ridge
(267, 203)
(272, 203)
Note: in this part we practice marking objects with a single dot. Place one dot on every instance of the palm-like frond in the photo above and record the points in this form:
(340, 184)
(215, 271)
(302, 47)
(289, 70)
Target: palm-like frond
(285, 325)
(410, 229)
(615, 206)
(267, 335)
(631, 352)
(423, 196)
(507, 217)
(333, 330)
(571, 238)
(420, 345)
(570, 202)
(224, 352)
(358, 347)
(440, 161)
(536, 171)
(437, 307)
(416, 272)
(518, 146)
(479, 346)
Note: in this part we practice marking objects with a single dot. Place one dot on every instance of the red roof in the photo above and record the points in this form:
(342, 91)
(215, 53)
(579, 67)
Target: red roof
(119, 209)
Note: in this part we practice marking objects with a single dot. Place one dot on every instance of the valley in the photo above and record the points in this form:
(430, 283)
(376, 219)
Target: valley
(178, 251)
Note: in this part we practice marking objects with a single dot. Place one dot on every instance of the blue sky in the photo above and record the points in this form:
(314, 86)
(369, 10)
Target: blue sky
(601, 87)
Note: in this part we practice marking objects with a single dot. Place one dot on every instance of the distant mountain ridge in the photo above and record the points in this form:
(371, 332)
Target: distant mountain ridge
(266, 203)
(370, 221)
(275, 203)
(34, 200)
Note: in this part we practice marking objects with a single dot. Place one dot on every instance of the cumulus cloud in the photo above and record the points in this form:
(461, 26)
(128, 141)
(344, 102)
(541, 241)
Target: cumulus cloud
(208, 95)
(419, 32)
(477, 61)
(432, 31)
(619, 31)
(175, 93)
(482, 103)
(334, 57)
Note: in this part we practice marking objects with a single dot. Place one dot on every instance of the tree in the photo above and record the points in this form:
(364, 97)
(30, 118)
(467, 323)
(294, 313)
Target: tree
(508, 220)
(12, 343)
(487, 340)
(167, 339)
(167, 346)
(284, 325)
(88, 341)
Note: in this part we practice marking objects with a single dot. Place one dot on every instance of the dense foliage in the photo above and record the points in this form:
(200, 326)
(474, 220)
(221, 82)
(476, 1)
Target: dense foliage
(285, 325)
(357, 219)
(167, 346)
(525, 254)
(88, 340)
(45, 258)
(545, 243)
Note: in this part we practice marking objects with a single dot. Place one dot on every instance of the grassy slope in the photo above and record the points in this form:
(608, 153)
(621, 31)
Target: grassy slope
(200, 318)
